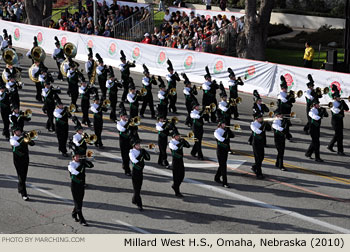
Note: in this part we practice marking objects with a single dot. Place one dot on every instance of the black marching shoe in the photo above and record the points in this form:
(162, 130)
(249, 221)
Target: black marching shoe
(330, 149)
(217, 180)
(308, 156)
(140, 208)
(83, 222)
(226, 186)
(319, 160)
(260, 176)
(25, 197)
(65, 154)
(283, 168)
(128, 173)
(341, 153)
(75, 216)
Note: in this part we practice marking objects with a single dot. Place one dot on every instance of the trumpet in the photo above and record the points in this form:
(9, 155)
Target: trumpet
(150, 146)
(31, 135)
(172, 91)
(321, 91)
(72, 108)
(327, 105)
(136, 121)
(89, 155)
(141, 92)
(200, 88)
(190, 135)
(174, 120)
(291, 115)
(210, 109)
(235, 127)
(234, 102)
(28, 113)
(90, 138)
(347, 98)
(106, 103)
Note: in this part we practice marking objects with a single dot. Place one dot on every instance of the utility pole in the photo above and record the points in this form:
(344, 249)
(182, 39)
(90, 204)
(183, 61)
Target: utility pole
(95, 15)
(347, 37)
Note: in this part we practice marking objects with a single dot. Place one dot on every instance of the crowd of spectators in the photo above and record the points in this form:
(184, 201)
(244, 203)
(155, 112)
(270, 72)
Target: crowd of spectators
(215, 35)
(12, 10)
(107, 17)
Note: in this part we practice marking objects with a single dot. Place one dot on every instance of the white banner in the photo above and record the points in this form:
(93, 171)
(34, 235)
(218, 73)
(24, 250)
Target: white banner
(207, 13)
(122, 3)
(263, 76)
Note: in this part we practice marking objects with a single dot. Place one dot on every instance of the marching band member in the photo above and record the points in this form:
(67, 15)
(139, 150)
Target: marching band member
(172, 77)
(85, 91)
(58, 56)
(209, 93)
(20, 151)
(258, 107)
(258, 127)
(4, 43)
(224, 109)
(97, 108)
(133, 99)
(89, 65)
(17, 117)
(125, 73)
(29, 53)
(76, 170)
(61, 115)
(163, 98)
(73, 76)
(12, 87)
(316, 114)
(112, 85)
(198, 131)
(9, 45)
(50, 95)
(339, 106)
(102, 72)
(176, 146)
(147, 82)
(78, 143)
(137, 157)
(280, 139)
(222, 135)
(190, 98)
(233, 86)
(310, 95)
(36, 72)
(163, 127)
(285, 104)
(5, 108)
(124, 140)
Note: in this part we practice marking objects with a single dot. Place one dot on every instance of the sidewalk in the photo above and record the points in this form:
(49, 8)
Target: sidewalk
(296, 31)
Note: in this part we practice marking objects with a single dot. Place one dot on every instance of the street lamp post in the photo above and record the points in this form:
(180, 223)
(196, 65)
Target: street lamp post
(347, 37)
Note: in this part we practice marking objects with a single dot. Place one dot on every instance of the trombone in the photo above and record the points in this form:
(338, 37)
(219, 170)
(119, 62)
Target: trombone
(89, 155)
(321, 91)
(150, 146)
(136, 121)
(210, 109)
(296, 95)
(190, 136)
(90, 138)
(235, 127)
(141, 92)
(327, 105)
(346, 98)
(172, 91)
(31, 135)
(28, 113)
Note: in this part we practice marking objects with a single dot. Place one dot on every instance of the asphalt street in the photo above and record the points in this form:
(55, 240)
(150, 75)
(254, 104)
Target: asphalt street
(309, 197)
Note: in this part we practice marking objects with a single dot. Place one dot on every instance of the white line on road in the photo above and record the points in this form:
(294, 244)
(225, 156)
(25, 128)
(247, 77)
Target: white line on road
(140, 230)
(246, 199)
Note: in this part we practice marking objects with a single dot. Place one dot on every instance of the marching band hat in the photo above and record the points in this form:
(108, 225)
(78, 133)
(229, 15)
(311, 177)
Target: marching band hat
(58, 102)
(14, 106)
(78, 127)
(135, 140)
(277, 112)
(161, 82)
(256, 95)
(283, 82)
(160, 116)
(96, 97)
(232, 74)
(77, 123)
(194, 104)
(257, 115)
(170, 65)
(90, 55)
(99, 59)
(5, 33)
(207, 75)
(10, 40)
(110, 72)
(15, 127)
(35, 43)
(221, 122)
(186, 80)
(145, 69)
(175, 132)
(336, 92)
(57, 41)
(122, 55)
(311, 81)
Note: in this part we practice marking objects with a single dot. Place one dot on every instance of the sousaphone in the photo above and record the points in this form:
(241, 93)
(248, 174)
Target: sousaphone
(11, 58)
(70, 50)
(38, 55)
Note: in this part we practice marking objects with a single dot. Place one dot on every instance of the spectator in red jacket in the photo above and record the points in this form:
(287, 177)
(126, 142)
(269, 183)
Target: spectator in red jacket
(147, 39)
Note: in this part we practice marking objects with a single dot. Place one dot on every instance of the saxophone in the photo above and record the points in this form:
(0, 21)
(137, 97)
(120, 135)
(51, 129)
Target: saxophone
(93, 74)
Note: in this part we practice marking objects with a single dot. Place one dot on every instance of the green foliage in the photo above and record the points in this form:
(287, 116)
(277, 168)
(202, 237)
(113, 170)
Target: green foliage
(278, 29)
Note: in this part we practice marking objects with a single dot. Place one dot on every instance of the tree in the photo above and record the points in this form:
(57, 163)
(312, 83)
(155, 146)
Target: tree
(37, 11)
(251, 43)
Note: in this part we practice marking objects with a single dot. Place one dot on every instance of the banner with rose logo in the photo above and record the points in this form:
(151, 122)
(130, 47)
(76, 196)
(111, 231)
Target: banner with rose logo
(263, 76)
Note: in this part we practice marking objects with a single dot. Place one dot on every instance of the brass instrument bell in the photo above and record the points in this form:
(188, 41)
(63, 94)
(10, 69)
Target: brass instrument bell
(327, 105)
(106, 103)
(72, 108)
(28, 113)
(136, 121)
(70, 50)
(31, 135)
(172, 91)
